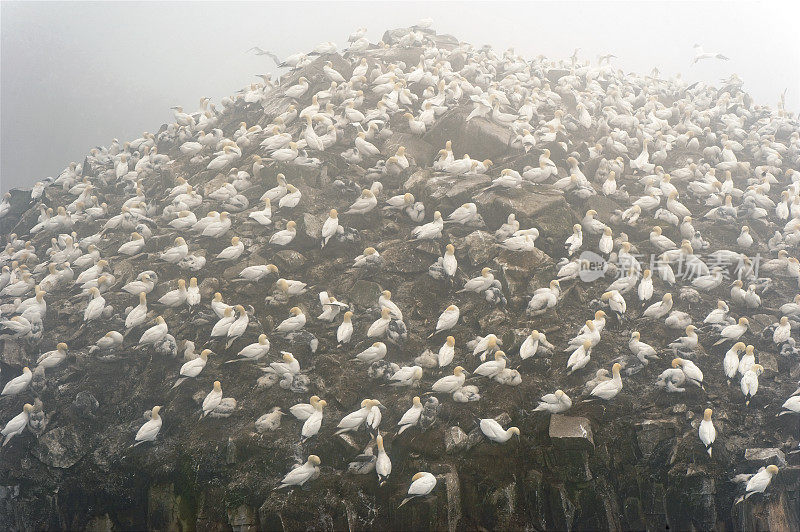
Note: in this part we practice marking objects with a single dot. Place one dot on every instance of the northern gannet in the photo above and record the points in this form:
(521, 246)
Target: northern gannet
(609, 389)
(422, 484)
(150, 429)
(375, 352)
(194, 367)
(385, 301)
(447, 319)
(156, 333)
(492, 368)
(544, 298)
(707, 431)
(431, 230)
(363, 204)
(301, 474)
(690, 370)
(302, 411)
(16, 424)
(480, 283)
(536, 342)
(257, 272)
(749, 382)
(212, 400)
(790, 406)
(450, 383)
(554, 403)
(53, 358)
(295, 322)
(383, 465)
(313, 422)
(379, 326)
(354, 420)
(759, 482)
(232, 252)
(406, 376)
(733, 332)
(345, 330)
(270, 421)
(174, 298)
(700, 54)
(411, 416)
(495, 432)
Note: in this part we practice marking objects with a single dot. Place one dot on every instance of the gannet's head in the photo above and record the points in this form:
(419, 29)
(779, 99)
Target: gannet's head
(707, 414)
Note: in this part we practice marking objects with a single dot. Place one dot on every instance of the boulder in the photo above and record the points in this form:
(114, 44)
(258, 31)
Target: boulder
(409, 56)
(61, 447)
(365, 293)
(765, 456)
(479, 246)
(539, 206)
(480, 138)
(289, 260)
(455, 439)
(12, 353)
(399, 255)
(311, 226)
(418, 150)
(568, 432)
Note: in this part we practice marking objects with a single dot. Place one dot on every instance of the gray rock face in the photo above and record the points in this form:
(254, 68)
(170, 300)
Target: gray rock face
(365, 293)
(567, 432)
(12, 353)
(765, 457)
(479, 138)
(651, 433)
(61, 447)
(455, 439)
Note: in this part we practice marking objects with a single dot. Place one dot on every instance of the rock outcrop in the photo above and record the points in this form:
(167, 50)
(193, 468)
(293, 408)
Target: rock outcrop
(633, 463)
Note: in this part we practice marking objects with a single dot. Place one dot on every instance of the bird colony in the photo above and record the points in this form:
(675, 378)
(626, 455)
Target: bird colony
(319, 259)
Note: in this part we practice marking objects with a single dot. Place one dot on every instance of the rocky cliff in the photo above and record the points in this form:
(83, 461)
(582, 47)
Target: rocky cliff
(634, 462)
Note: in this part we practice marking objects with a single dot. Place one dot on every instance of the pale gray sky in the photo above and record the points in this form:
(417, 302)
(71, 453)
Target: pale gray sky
(75, 75)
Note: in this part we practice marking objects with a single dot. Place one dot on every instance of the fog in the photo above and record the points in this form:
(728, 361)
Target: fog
(75, 75)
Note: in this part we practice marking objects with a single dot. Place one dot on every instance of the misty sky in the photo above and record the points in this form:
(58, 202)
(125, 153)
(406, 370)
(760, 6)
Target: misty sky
(75, 75)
